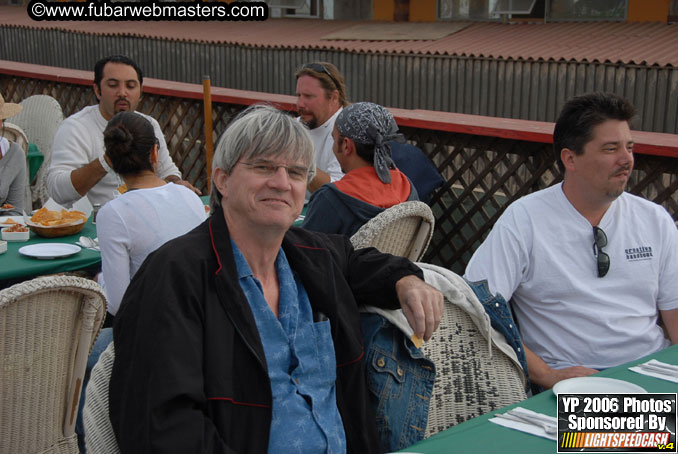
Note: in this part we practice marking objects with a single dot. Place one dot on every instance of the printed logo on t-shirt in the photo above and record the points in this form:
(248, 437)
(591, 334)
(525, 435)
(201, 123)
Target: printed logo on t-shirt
(634, 254)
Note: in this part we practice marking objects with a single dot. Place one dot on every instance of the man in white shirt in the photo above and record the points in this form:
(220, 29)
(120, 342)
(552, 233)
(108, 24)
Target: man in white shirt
(590, 268)
(78, 168)
(321, 95)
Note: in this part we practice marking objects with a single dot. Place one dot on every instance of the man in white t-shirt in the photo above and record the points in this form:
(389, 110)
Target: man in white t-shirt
(590, 268)
(321, 95)
(77, 167)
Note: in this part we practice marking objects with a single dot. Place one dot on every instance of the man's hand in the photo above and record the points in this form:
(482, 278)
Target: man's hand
(176, 180)
(421, 304)
(543, 375)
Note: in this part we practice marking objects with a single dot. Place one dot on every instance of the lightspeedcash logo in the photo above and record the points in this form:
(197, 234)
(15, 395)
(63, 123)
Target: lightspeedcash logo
(98, 10)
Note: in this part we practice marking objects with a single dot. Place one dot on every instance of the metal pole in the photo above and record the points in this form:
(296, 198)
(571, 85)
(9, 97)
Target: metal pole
(209, 143)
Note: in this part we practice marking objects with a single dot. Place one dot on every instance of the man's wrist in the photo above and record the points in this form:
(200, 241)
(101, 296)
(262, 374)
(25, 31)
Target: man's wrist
(104, 164)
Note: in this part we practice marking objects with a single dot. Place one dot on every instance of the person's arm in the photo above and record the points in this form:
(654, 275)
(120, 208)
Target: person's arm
(114, 243)
(670, 320)
(17, 188)
(176, 180)
(543, 375)
(318, 180)
(72, 152)
(86, 177)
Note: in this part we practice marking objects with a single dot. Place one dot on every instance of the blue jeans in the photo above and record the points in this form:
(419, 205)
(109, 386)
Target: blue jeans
(105, 338)
(400, 379)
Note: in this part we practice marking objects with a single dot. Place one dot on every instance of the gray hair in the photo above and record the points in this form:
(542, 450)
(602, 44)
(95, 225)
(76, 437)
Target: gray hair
(261, 131)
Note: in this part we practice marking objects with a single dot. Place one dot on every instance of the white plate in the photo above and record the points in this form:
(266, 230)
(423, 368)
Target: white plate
(17, 219)
(597, 385)
(49, 250)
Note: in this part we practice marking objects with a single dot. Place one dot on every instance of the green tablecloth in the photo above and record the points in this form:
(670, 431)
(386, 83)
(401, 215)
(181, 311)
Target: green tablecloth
(14, 265)
(34, 159)
(481, 436)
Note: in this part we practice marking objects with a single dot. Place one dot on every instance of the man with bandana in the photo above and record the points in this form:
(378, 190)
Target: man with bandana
(321, 95)
(78, 167)
(371, 183)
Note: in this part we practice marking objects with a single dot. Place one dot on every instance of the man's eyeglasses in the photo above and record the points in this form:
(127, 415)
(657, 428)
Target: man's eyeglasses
(319, 68)
(268, 169)
(602, 259)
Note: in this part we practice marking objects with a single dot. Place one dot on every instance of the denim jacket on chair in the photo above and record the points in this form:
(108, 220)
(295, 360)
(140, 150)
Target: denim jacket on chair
(500, 317)
(400, 380)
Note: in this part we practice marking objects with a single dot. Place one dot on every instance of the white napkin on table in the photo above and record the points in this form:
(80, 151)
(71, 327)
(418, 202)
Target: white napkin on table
(89, 243)
(670, 375)
(527, 427)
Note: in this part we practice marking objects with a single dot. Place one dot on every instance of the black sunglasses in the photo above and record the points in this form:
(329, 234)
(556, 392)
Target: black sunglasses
(319, 68)
(602, 259)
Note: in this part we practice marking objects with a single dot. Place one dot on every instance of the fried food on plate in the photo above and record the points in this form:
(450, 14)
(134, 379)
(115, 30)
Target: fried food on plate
(51, 218)
(9, 221)
(7, 206)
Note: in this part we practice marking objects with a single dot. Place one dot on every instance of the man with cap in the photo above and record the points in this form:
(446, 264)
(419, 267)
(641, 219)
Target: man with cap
(12, 167)
(321, 95)
(371, 183)
(78, 167)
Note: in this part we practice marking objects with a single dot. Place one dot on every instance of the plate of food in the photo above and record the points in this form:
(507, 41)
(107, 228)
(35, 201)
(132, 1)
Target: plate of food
(8, 221)
(52, 224)
(6, 207)
(46, 251)
(595, 385)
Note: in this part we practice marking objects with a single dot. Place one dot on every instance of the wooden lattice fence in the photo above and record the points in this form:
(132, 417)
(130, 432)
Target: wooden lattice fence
(483, 173)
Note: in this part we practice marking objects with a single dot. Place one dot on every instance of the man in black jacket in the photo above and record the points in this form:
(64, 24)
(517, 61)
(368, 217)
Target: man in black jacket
(244, 335)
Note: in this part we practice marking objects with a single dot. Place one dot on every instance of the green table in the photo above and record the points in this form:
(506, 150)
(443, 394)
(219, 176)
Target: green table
(481, 436)
(14, 266)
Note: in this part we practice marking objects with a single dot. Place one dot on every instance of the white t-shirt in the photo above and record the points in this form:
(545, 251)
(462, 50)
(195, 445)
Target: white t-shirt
(137, 223)
(324, 156)
(540, 253)
(79, 141)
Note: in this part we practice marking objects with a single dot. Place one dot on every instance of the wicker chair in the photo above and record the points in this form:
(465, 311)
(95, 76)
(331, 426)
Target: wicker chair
(473, 376)
(48, 326)
(404, 230)
(40, 118)
(14, 133)
(99, 435)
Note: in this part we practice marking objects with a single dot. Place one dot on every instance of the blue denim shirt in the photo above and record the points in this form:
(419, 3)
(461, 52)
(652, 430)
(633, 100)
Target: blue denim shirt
(301, 364)
(502, 319)
(400, 379)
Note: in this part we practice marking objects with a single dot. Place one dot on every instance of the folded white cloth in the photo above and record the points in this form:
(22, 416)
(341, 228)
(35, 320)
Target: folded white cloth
(657, 369)
(89, 243)
(534, 429)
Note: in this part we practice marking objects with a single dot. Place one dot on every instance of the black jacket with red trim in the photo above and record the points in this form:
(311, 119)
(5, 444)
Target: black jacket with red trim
(190, 374)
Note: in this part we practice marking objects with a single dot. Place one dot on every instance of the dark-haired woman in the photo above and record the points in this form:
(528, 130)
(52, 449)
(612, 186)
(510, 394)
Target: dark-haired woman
(149, 214)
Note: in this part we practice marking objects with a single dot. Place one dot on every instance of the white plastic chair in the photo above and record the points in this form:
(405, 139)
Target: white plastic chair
(40, 118)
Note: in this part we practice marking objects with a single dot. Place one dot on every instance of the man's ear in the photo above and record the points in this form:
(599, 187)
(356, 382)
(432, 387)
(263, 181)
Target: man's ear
(97, 92)
(220, 179)
(349, 146)
(567, 156)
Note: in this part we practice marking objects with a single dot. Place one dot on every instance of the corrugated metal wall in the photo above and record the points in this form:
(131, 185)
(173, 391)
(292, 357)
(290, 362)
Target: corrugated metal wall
(531, 90)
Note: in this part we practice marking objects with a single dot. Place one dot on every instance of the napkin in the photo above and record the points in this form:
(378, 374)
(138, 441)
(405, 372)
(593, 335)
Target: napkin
(524, 426)
(89, 243)
(671, 369)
